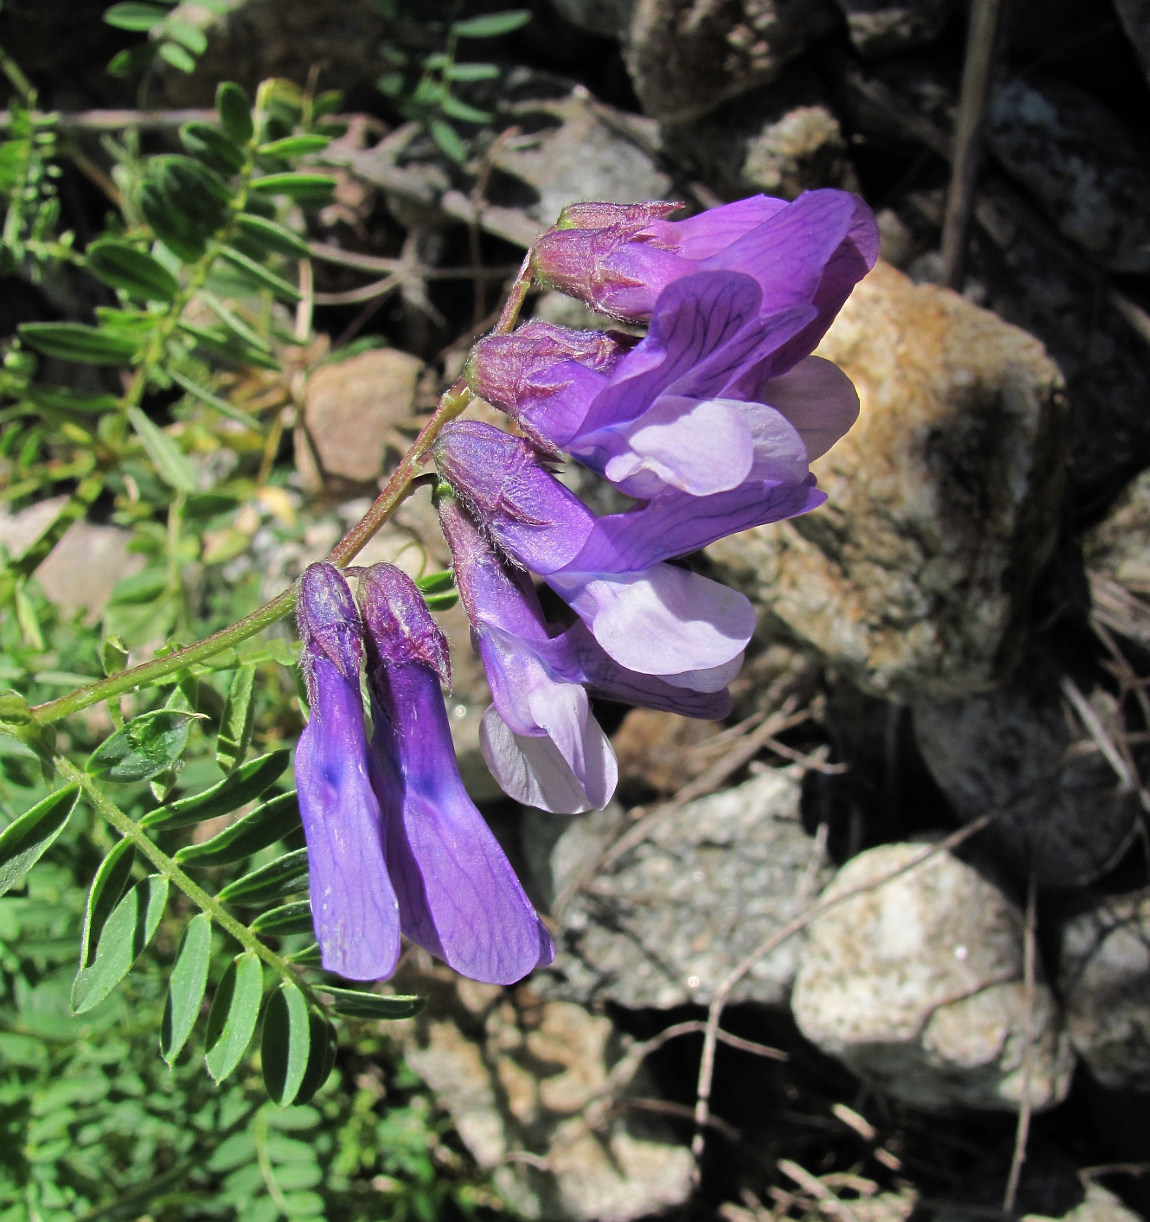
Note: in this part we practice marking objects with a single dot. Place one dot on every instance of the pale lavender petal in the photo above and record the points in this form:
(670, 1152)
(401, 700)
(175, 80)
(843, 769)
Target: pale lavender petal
(696, 445)
(663, 621)
(567, 770)
(818, 399)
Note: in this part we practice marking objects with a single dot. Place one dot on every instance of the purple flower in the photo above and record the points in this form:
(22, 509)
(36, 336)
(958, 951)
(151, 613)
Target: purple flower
(651, 618)
(353, 903)
(539, 738)
(619, 259)
(458, 895)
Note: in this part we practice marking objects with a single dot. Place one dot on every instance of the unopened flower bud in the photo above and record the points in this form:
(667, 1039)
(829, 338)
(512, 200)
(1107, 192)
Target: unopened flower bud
(631, 218)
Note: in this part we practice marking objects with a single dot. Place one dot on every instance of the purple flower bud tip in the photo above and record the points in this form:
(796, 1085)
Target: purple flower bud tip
(400, 627)
(630, 218)
(328, 621)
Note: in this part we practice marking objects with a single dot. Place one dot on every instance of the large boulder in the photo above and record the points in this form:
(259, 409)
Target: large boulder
(916, 983)
(945, 498)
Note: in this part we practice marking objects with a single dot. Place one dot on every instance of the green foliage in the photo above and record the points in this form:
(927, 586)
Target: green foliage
(422, 83)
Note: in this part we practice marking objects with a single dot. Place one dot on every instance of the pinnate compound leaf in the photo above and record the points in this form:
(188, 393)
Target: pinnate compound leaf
(263, 826)
(284, 876)
(492, 25)
(235, 110)
(148, 745)
(73, 341)
(288, 918)
(210, 145)
(108, 885)
(167, 457)
(26, 839)
(126, 933)
(285, 1045)
(134, 15)
(123, 266)
(357, 1004)
(247, 782)
(236, 723)
(186, 986)
(234, 1013)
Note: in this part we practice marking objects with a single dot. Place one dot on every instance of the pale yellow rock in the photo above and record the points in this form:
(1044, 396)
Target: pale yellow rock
(944, 503)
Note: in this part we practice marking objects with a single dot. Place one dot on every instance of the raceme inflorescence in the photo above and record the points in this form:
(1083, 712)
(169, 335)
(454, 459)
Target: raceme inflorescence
(708, 424)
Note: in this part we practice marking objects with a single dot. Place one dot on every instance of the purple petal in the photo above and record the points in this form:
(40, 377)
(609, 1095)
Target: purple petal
(818, 399)
(699, 237)
(353, 904)
(458, 895)
(663, 621)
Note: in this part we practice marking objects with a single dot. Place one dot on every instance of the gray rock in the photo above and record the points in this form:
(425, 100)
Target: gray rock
(1079, 165)
(944, 498)
(1135, 18)
(885, 27)
(574, 148)
(1104, 972)
(258, 39)
(522, 1076)
(686, 58)
(356, 414)
(782, 141)
(610, 18)
(1118, 547)
(1098, 1205)
(666, 922)
(917, 986)
(1022, 750)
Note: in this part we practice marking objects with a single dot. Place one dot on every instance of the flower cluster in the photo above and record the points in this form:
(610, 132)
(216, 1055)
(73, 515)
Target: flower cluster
(708, 424)
(394, 843)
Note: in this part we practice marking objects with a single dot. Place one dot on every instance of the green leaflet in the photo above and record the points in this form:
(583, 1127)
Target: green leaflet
(145, 747)
(232, 1019)
(186, 986)
(247, 782)
(126, 933)
(285, 1045)
(25, 840)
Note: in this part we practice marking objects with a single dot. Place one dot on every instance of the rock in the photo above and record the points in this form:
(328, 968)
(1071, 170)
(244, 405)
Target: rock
(662, 751)
(666, 922)
(885, 27)
(609, 18)
(1104, 973)
(258, 39)
(1022, 750)
(1081, 168)
(574, 147)
(1118, 547)
(686, 58)
(917, 986)
(1135, 18)
(520, 1075)
(782, 141)
(80, 571)
(354, 412)
(944, 504)
(1098, 1205)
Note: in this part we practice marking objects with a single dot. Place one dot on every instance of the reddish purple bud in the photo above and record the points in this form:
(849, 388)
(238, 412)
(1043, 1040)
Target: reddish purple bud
(515, 371)
(401, 627)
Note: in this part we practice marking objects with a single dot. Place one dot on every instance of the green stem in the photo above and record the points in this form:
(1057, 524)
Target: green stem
(131, 830)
